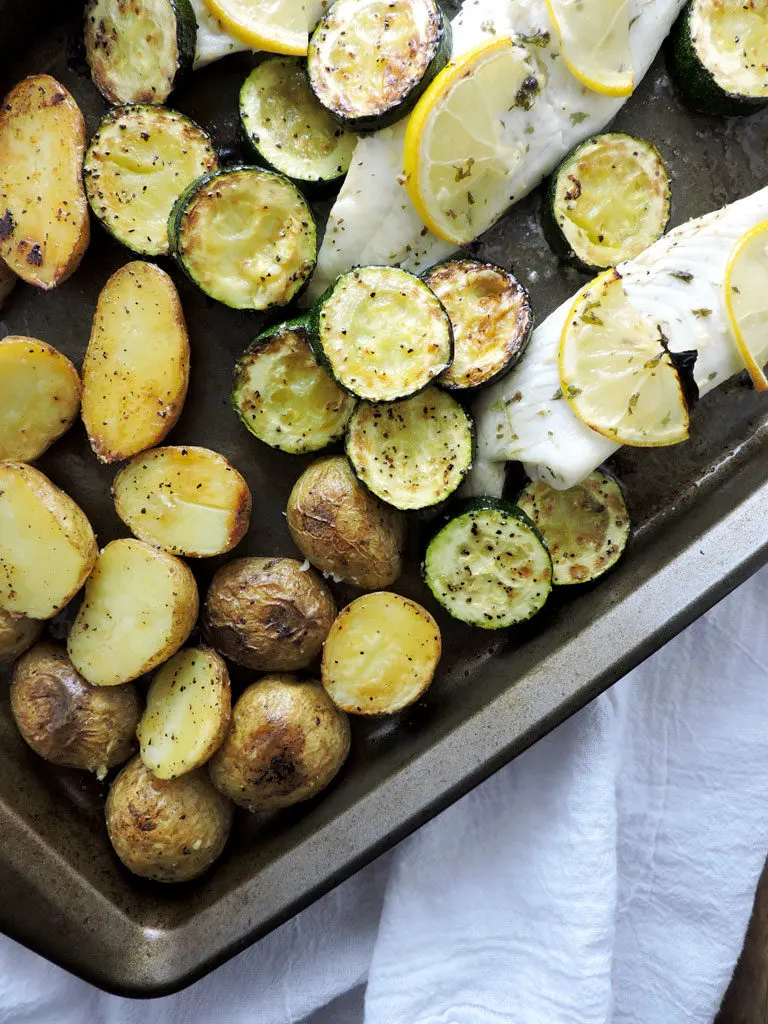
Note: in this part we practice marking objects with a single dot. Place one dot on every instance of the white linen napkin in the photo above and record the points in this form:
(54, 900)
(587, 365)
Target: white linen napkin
(604, 877)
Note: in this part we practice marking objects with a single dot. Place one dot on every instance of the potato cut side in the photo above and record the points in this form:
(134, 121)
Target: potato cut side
(44, 227)
(140, 606)
(187, 500)
(7, 281)
(39, 397)
(47, 546)
(136, 368)
(380, 655)
(188, 709)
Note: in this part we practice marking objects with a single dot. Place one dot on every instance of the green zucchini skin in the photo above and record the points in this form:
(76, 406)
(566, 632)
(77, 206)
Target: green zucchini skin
(479, 522)
(552, 229)
(694, 81)
(98, 43)
(401, 106)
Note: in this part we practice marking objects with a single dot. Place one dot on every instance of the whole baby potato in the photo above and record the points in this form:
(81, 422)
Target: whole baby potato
(268, 613)
(17, 633)
(65, 719)
(286, 741)
(170, 830)
(343, 529)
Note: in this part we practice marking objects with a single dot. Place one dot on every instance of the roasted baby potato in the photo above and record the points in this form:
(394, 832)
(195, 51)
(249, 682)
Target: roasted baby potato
(286, 741)
(380, 655)
(188, 708)
(344, 530)
(136, 368)
(65, 720)
(44, 227)
(39, 397)
(268, 613)
(139, 607)
(7, 281)
(170, 830)
(187, 500)
(17, 633)
(47, 546)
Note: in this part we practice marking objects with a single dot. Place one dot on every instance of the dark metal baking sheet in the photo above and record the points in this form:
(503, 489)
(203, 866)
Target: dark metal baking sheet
(700, 516)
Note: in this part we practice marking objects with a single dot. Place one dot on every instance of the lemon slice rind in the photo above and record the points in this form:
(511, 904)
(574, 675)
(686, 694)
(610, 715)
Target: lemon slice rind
(612, 76)
(261, 33)
(734, 299)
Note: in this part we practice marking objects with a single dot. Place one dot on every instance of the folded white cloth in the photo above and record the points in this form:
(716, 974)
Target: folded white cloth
(604, 877)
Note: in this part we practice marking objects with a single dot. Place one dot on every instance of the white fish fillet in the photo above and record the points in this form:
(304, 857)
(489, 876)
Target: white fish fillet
(517, 418)
(214, 42)
(373, 219)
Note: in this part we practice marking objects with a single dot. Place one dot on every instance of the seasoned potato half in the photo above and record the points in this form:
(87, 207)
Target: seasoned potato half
(285, 743)
(65, 720)
(188, 708)
(342, 528)
(136, 368)
(47, 546)
(44, 227)
(170, 830)
(380, 655)
(140, 606)
(17, 633)
(39, 397)
(268, 613)
(187, 500)
(7, 281)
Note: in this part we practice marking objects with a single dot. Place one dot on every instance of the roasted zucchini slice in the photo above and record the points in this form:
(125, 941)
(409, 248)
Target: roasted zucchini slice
(245, 236)
(606, 202)
(370, 61)
(411, 454)
(718, 56)
(136, 50)
(381, 654)
(39, 397)
(284, 397)
(491, 316)
(381, 333)
(44, 225)
(488, 565)
(586, 528)
(289, 129)
(137, 165)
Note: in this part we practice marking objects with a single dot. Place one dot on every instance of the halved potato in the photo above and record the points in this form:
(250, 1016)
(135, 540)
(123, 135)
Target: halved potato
(380, 655)
(140, 606)
(187, 500)
(188, 709)
(17, 633)
(44, 227)
(7, 281)
(47, 546)
(39, 397)
(136, 368)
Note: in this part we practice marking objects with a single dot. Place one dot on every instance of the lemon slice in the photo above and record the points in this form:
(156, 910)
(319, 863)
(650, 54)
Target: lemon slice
(277, 26)
(616, 371)
(594, 43)
(458, 153)
(746, 299)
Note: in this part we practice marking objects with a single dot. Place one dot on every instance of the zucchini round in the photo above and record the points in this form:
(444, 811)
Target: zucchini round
(137, 165)
(586, 528)
(411, 454)
(284, 398)
(136, 50)
(381, 333)
(369, 61)
(488, 565)
(607, 201)
(491, 316)
(288, 128)
(718, 56)
(245, 236)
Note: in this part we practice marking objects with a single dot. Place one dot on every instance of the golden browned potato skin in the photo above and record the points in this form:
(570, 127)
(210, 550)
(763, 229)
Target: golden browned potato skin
(67, 721)
(267, 614)
(342, 529)
(286, 741)
(168, 830)
(17, 633)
